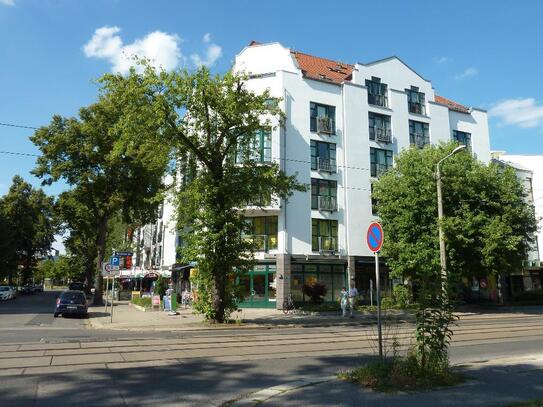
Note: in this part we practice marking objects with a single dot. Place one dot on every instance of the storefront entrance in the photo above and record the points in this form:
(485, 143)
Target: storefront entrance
(259, 287)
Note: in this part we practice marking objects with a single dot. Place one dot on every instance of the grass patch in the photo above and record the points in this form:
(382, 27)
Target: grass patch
(401, 374)
(142, 302)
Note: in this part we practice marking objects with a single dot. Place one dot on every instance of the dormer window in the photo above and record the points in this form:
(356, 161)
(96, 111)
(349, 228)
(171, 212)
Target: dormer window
(415, 101)
(377, 92)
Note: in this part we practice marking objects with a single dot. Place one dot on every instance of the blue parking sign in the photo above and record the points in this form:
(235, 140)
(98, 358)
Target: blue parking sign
(114, 261)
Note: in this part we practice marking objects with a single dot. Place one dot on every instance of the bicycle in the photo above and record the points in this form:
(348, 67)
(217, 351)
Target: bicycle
(288, 304)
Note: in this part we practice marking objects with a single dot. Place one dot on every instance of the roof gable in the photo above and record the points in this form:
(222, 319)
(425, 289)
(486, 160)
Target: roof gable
(394, 57)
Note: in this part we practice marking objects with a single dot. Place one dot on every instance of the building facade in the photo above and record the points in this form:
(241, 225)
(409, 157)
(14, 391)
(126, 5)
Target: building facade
(344, 125)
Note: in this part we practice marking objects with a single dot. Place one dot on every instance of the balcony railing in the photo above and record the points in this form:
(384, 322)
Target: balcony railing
(417, 108)
(377, 99)
(327, 203)
(263, 243)
(419, 140)
(378, 169)
(325, 125)
(326, 165)
(327, 244)
(382, 135)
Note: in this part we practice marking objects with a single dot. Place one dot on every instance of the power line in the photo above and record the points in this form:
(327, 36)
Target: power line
(17, 153)
(18, 125)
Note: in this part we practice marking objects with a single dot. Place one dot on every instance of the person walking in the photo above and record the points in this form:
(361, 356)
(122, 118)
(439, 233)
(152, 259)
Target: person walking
(353, 295)
(344, 301)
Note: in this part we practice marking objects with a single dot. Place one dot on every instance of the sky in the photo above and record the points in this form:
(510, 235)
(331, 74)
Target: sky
(486, 54)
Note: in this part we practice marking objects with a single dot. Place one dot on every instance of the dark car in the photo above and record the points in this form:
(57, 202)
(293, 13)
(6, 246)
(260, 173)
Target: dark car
(76, 286)
(71, 302)
(26, 289)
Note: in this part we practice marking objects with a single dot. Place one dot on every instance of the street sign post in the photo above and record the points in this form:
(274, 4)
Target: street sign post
(374, 239)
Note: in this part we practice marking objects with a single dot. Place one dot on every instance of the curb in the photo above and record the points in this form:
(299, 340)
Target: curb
(262, 396)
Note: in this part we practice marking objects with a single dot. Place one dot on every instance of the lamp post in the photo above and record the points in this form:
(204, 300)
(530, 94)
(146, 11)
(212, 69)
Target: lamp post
(442, 254)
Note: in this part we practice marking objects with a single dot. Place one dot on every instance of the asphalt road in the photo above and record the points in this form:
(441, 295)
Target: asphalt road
(68, 363)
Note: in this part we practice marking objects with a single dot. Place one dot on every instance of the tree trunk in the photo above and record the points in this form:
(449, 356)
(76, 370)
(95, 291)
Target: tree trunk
(89, 274)
(101, 246)
(218, 294)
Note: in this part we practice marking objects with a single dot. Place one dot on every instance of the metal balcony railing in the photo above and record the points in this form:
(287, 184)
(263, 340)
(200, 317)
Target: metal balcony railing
(378, 169)
(325, 125)
(327, 244)
(326, 165)
(418, 108)
(327, 203)
(383, 135)
(419, 140)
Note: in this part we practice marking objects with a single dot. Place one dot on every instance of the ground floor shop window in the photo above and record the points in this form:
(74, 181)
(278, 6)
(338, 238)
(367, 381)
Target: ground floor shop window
(332, 276)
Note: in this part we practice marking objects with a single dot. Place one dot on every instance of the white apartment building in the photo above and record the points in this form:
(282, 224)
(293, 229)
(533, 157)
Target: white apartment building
(344, 125)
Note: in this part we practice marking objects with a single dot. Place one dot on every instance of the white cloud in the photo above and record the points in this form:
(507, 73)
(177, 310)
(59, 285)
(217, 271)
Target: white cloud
(160, 48)
(467, 73)
(213, 53)
(520, 112)
(440, 60)
(7, 2)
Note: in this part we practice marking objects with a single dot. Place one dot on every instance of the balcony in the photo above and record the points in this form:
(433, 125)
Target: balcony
(419, 140)
(262, 243)
(382, 135)
(327, 203)
(326, 165)
(417, 108)
(378, 169)
(325, 125)
(377, 99)
(327, 244)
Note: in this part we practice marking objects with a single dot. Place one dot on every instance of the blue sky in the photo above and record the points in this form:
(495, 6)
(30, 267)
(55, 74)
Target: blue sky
(480, 53)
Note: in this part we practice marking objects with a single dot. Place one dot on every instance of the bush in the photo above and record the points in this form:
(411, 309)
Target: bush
(397, 374)
(161, 285)
(315, 292)
(400, 295)
(532, 296)
(142, 302)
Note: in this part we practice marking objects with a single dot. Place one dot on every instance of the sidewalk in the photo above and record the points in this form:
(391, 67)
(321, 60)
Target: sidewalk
(127, 317)
(502, 382)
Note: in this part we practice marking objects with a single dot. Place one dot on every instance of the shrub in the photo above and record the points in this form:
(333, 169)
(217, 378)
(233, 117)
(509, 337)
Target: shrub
(161, 285)
(400, 295)
(142, 302)
(315, 292)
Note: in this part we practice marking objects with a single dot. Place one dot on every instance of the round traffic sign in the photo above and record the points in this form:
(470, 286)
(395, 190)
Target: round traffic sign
(375, 236)
(483, 283)
(107, 268)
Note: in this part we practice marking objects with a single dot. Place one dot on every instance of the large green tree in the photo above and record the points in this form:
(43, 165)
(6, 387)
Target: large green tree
(109, 172)
(28, 214)
(207, 120)
(488, 224)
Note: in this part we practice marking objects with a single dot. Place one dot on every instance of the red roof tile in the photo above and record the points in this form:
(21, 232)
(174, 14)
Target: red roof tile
(323, 69)
(451, 104)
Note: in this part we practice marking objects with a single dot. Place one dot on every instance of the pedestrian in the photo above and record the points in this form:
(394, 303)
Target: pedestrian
(353, 296)
(344, 301)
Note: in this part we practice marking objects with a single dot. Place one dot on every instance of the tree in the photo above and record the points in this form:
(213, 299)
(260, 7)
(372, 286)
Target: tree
(109, 172)
(8, 259)
(488, 229)
(28, 213)
(208, 120)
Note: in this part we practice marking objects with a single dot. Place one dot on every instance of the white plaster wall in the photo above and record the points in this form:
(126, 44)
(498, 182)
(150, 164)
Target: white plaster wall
(265, 58)
(440, 129)
(476, 124)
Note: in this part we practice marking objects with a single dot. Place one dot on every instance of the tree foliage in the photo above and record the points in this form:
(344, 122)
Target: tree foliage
(488, 225)
(207, 120)
(109, 173)
(28, 217)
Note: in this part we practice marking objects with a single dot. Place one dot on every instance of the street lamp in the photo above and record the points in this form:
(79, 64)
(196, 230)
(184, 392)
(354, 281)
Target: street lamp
(442, 254)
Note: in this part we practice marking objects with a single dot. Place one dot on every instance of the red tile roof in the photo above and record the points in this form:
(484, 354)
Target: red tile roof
(323, 69)
(451, 104)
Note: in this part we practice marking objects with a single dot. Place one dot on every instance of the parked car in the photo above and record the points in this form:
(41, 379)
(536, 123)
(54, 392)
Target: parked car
(6, 293)
(71, 302)
(76, 286)
(26, 289)
(38, 288)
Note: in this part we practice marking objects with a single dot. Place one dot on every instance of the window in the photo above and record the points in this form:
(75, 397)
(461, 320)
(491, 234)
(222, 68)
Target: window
(332, 276)
(380, 127)
(419, 133)
(324, 235)
(259, 151)
(262, 231)
(323, 156)
(323, 195)
(377, 92)
(462, 137)
(415, 101)
(380, 161)
(374, 202)
(322, 118)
